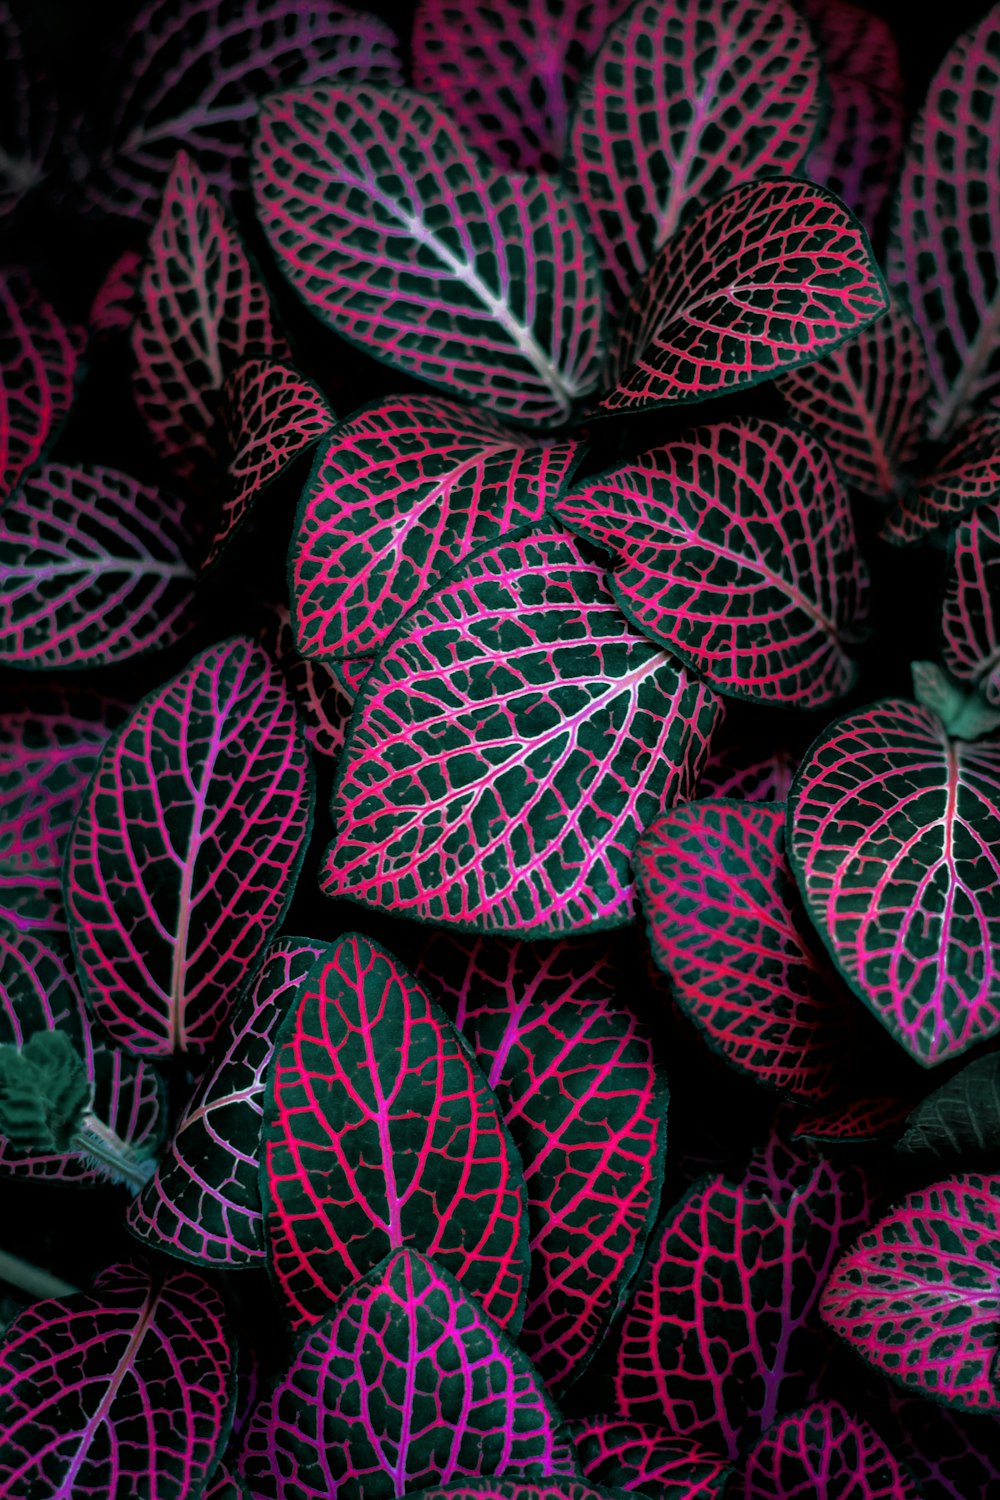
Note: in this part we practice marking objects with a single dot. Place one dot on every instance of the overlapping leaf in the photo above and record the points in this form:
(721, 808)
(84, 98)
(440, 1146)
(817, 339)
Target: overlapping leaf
(894, 839)
(38, 363)
(749, 770)
(872, 1118)
(650, 1460)
(28, 116)
(400, 236)
(824, 1452)
(968, 475)
(185, 853)
(512, 740)
(116, 300)
(970, 616)
(323, 700)
(351, 674)
(958, 1124)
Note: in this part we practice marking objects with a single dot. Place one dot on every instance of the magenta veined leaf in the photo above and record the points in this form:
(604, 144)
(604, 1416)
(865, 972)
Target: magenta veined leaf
(968, 475)
(685, 100)
(894, 839)
(518, 1489)
(970, 616)
(403, 491)
(734, 548)
(512, 740)
(185, 853)
(93, 570)
(28, 112)
(225, 1485)
(770, 276)
(380, 1132)
(116, 300)
(203, 1202)
(873, 1118)
(38, 365)
(401, 237)
(191, 75)
(351, 674)
(942, 249)
(125, 1390)
(508, 72)
(867, 402)
(727, 926)
(656, 1463)
(406, 1385)
(918, 1296)
(202, 310)
(749, 771)
(826, 1453)
(323, 700)
(586, 1106)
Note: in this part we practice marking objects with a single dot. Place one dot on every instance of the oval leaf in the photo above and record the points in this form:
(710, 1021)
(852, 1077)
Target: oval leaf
(323, 699)
(966, 476)
(38, 364)
(970, 618)
(825, 1453)
(959, 1123)
(637, 1456)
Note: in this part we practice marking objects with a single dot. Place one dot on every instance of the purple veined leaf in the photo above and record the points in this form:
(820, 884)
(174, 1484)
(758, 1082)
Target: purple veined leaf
(586, 1106)
(203, 1202)
(770, 276)
(958, 1124)
(685, 100)
(946, 225)
(954, 1456)
(38, 365)
(28, 113)
(727, 926)
(874, 1118)
(323, 700)
(224, 1485)
(735, 548)
(93, 570)
(380, 1132)
(185, 854)
(826, 1453)
(403, 491)
(124, 1390)
(512, 740)
(517, 1489)
(508, 72)
(894, 840)
(866, 402)
(406, 1385)
(116, 301)
(967, 476)
(402, 237)
(970, 615)
(656, 1463)
(918, 1296)
(202, 310)
(351, 674)
(191, 76)
(749, 771)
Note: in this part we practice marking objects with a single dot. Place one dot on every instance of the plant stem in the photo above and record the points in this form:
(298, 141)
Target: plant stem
(107, 1150)
(32, 1279)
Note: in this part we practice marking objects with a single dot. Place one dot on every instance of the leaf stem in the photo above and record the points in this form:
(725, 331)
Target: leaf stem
(108, 1151)
(32, 1279)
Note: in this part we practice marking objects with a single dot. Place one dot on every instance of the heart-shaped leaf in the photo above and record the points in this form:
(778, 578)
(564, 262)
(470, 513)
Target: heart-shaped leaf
(403, 491)
(28, 114)
(186, 850)
(93, 569)
(894, 839)
(685, 100)
(735, 548)
(408, 1384)
(38, 364)
(511, 742)
(970, 617)
(958, 1124)
(918, 1296)
(823, 1452)
(203, 1203)
(586, 1106)
(405, 240)
(323, 700)
(873, 1118)
(968, 475)
(116, 301)
(750, 771)
(647, 1459)
(380, 1132)
(125, 1390)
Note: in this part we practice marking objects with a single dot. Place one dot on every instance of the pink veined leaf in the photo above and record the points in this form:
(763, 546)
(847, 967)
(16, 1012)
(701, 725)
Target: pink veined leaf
(225, 1485)
(683, 101)
(509, 72)
(38, 365)
(94, 569)
(518, 1489)
(867, 402)
(185, 854)
(403, 491)
(191, 75)
(405, 240)
(894, 839)
(351, 674)
(953, 1455)
(727, 927)
(510, 743)
(586, 1106)
(749, 771)
(380, 1132)
(967, 475)
(970, 617)
(918, 1296)
(28, 113)
(124, 1390)
(202, 311)
(770, 276)
(116, 300)
(323, 699)
(826, 1453)
(875, 1118)
(735, 548)
(655, 1463)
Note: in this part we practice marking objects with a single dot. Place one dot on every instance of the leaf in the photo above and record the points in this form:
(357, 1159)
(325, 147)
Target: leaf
(866, 402)
(191, 76)
(94, 570)
(407, 242)
(873, 1118)
(38, 365)
(637, 1456)
(408, 1384)
(28, 115)
(203, 1203)
(124, 1391)
(511, 741)
(379, 1132)
(968, 475)
(403, 491)
(953, 1456)
(727, 927)
(824, 1451)
(116, 301)
(749, 770)
(735, 548)
(516, 1489)
(918, 1296)
(770, 276)
(323, 701)
(958, 1124)
(225, 1486)
(351, 674)
(894, 839)
(186, 851)
(970, 615)
(684, 101)
(586, 1106)
(942, 246)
